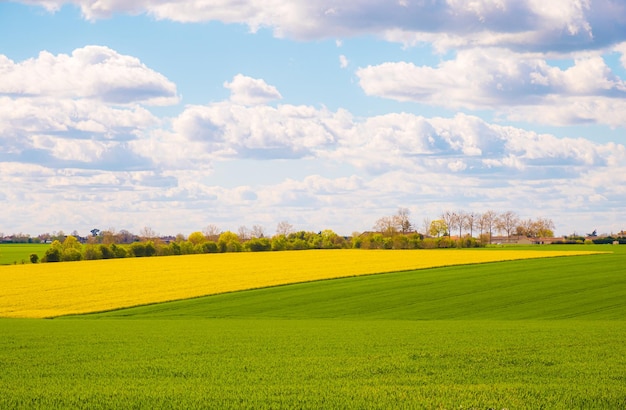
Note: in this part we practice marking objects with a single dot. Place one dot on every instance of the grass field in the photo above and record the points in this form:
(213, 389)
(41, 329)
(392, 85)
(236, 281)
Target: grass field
(545, 333)
(580, 287)
(19, 253)
(312, 364)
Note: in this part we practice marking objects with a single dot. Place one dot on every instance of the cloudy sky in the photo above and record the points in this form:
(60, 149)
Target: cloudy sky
(326, 114)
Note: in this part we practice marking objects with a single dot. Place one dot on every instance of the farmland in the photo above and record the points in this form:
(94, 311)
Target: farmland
(66, 288)
(538, 333)
(18, 253)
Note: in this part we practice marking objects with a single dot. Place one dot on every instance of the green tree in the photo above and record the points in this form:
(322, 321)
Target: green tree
(187, 247)
(71, 255)
(106, 252)
(119, 251)
(258, 245)
(279, 242)
(71, 242)
(137, 249)
(92, 252)
(438, 227)
(53, 254)
(150, 248)
(229, 242)
(330, 240)
(197, 238)
(174, 248)
(209, 247)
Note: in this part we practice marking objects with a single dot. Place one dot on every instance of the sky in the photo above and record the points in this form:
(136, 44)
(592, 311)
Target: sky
(176, 115)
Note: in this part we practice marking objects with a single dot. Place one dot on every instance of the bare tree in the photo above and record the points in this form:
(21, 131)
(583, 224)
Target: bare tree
(506, 222)
(449, 218)
(284, 228)
(459, 219)
(147, 233)
(386, 225)
(243, 233)
(545, 227)
(541, 227)
(402, 220)
(257, 231)
(212, 232)
(487, 222)
(124, 236)
(108, 236)
(471, 219)
(426, 225)
(525, 227)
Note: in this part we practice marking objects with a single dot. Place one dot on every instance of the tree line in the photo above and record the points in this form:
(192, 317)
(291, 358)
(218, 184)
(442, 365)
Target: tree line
(108, 245)
(480, 226)
(396, 231)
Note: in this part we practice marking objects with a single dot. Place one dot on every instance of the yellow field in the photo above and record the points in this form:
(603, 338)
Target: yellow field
(54, 289)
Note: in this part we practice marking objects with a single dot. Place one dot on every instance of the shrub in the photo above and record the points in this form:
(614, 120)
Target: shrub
(71, 255)
(92, 252)
(137, 249)
(209, 247)
(279, 243)
(444, 242)
(106, 252)
(297, 244)
(52, 255)
(258, 245)
(119, 251)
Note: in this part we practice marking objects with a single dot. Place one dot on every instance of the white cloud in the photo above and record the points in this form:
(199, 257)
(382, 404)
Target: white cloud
(343, 61)
(39, 115)
(79, 110)
(379, 145)
(554, 25)
(250, 91)
(127, 167)
(259, 131)
(519, 86)
(92, 72)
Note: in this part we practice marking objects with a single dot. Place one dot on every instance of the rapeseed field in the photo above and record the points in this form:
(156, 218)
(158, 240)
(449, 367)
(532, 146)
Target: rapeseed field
(49, 290)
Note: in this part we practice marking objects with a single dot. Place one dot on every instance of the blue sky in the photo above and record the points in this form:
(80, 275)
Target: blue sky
(328, 115)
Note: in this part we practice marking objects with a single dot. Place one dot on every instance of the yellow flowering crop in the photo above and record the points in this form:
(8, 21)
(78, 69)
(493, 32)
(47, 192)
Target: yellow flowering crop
(54, 289)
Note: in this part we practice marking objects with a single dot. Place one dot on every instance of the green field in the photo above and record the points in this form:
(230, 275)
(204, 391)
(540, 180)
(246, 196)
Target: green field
(17, 253)
(544, 333)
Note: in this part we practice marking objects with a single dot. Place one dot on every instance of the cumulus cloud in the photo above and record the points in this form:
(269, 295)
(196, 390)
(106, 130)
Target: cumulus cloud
(261, 132)
(79, 111)
(428, 164)
(66, 143)
(40, 115)
(554, 25)
(378, 145)
(250, 91)
(520, 86)
(92, 72)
